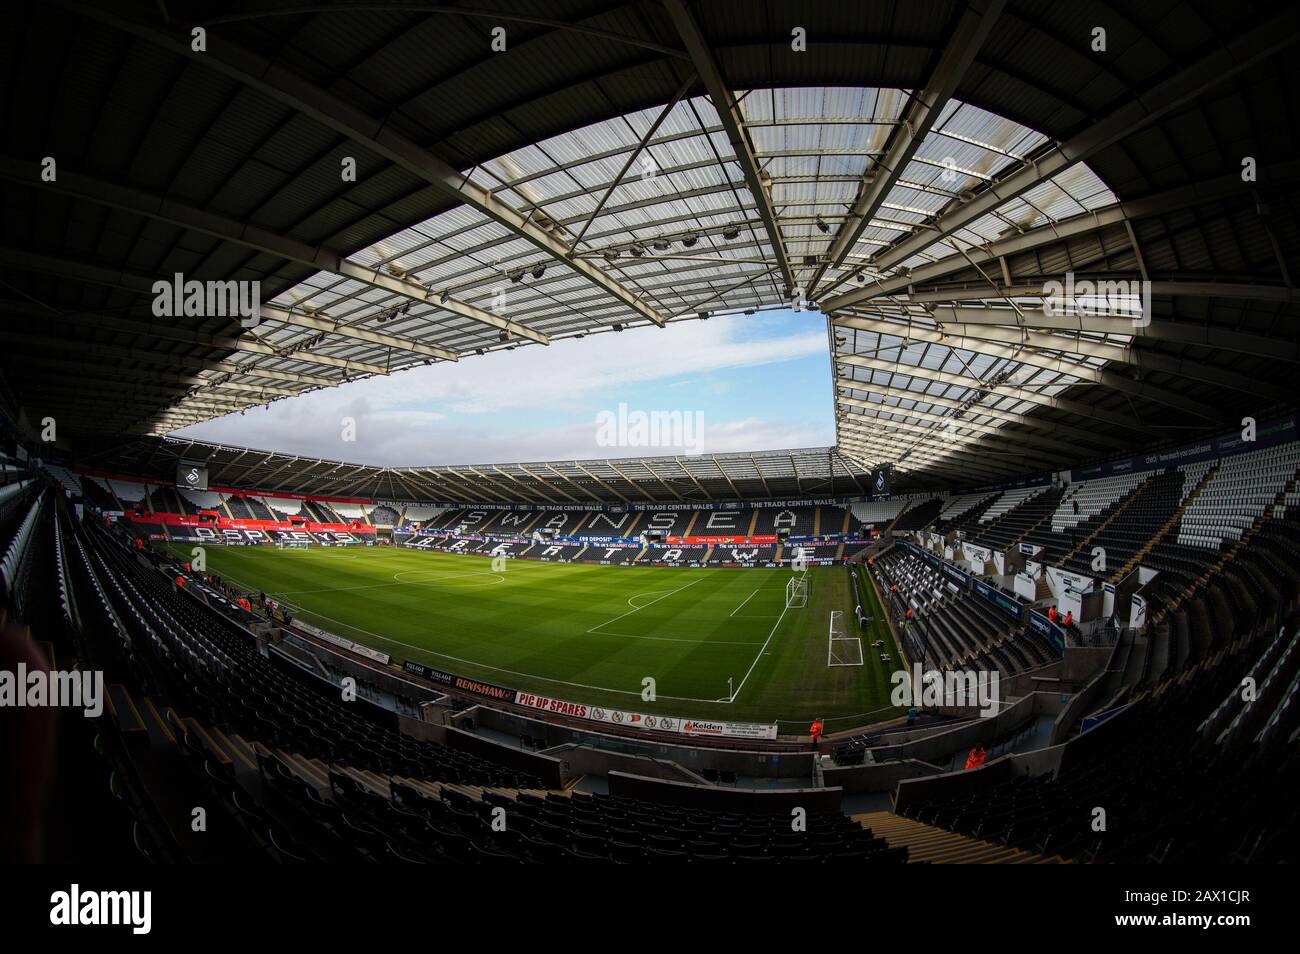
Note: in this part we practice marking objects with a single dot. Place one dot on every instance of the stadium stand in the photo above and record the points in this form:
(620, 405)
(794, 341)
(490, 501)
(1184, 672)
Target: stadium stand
(880, 512)
(1045, 253)
(1238, 492)
(1173, 737)
(960, 511)
(952, 626)
(919, 514)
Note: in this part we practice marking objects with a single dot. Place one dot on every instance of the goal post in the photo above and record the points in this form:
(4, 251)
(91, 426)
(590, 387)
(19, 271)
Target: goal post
(842, 649)
(796, 592)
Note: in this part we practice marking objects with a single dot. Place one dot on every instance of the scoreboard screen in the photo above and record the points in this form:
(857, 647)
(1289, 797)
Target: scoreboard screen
(192, 476)
(882, 481)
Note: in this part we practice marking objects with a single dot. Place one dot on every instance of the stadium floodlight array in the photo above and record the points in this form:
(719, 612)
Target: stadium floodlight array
(842, 649)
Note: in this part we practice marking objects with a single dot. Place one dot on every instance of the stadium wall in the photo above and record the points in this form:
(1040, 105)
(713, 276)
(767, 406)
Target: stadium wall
(716, 798)
(877, 777)
(955, 784)
(939, 746)
(546, 767)
(580, 758)
(749, 763)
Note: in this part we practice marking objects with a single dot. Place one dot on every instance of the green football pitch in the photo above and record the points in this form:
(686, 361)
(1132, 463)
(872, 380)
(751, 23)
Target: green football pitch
(719, 643)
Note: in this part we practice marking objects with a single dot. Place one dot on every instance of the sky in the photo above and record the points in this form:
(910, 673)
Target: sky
(738, 383)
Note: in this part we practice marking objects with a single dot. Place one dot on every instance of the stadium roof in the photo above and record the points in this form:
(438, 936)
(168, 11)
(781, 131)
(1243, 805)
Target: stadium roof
(700, 478)
(922, 172)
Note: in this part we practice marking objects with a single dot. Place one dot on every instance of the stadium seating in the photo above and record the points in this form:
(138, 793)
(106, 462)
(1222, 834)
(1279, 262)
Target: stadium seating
(880, 512)
(219, 673)
(238, 507)
(302, 777)
(1238, 492)
(951, 628)
(1212, 785)
(1013, 515)
(960, 512)
(920, 513)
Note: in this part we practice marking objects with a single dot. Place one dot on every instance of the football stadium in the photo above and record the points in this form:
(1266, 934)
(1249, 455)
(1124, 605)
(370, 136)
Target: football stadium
(651, 432)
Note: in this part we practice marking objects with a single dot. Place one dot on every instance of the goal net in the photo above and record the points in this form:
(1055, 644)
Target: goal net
(796, 592)
(842, 649)
(292, 544)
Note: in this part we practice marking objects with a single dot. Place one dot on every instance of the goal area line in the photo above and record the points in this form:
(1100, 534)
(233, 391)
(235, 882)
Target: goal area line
(842, 650)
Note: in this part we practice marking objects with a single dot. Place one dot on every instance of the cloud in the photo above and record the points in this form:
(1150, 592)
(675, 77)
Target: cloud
(565, 372)
(403, 439)
(475, 411)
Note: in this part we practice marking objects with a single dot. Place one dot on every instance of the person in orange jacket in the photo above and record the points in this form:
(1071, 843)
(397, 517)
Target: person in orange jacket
(815, 730)
(1051, 613)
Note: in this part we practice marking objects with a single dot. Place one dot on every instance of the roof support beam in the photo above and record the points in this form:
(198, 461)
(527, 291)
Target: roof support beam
(631, 156)
(542, 480)
(950, 441)
(1034, 359)
(1057, 447)
(143, 284)
(732, 120)
(578, 464)
(974, 338)
(1172, 288)
(887, 449)
(528, 491)
(1136, 114)
(377, 135)
(172, 363)
(1085, 412)
(646, 495)
(1200, 193)
(162, 209)
(667, 486)
(1065, 431)
(906, 451)
(924, 110)
(131, 282)
(479, 488)
(569, 480)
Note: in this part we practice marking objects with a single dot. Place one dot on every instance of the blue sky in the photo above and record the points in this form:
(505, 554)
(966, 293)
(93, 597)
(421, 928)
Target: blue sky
(760, 382)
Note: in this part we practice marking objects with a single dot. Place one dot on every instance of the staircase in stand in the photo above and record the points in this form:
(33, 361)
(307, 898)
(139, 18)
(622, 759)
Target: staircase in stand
(1115, 512)
(1226, 554)
(926, 843)
(1168, 525)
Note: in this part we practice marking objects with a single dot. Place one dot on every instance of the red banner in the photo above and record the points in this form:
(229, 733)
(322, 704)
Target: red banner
(228, 523)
